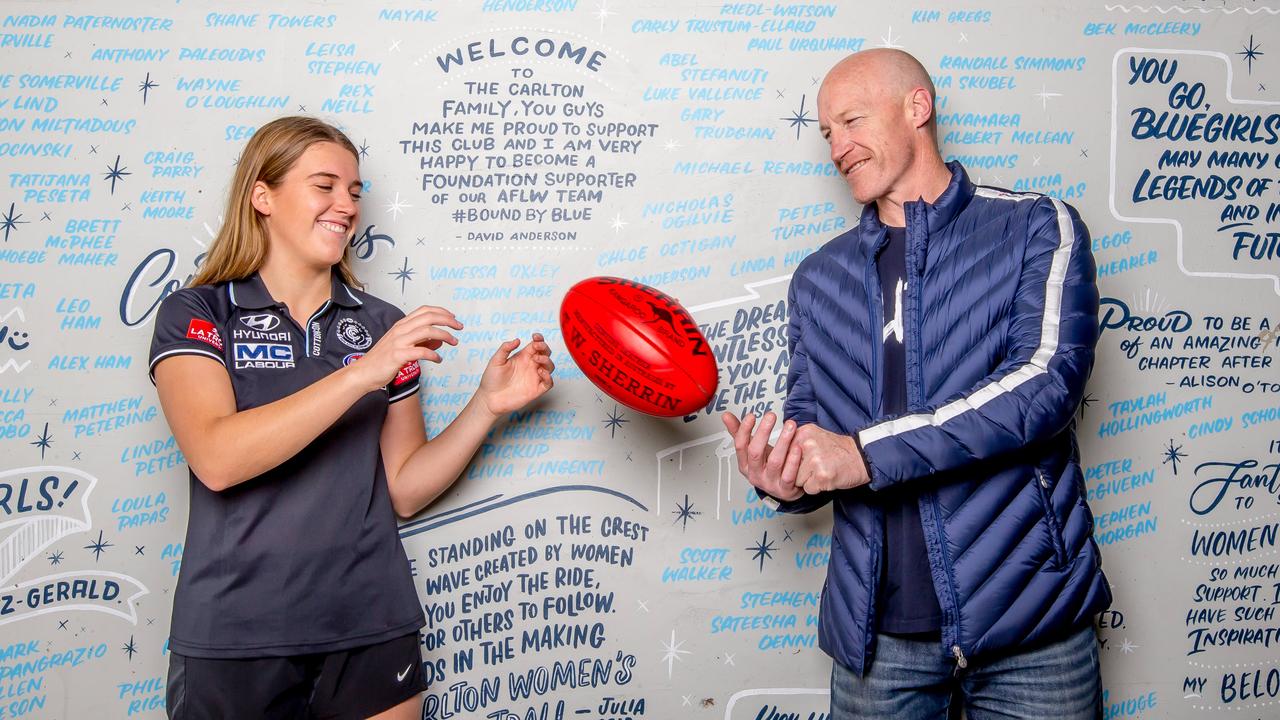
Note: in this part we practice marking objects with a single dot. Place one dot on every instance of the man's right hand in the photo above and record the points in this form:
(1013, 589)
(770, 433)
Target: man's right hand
(772, 469)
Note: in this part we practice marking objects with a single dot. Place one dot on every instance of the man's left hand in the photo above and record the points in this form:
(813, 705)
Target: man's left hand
(828, 461)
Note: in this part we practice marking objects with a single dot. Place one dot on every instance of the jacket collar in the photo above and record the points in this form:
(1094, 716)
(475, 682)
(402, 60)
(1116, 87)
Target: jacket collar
(936, 215)
(251, 293)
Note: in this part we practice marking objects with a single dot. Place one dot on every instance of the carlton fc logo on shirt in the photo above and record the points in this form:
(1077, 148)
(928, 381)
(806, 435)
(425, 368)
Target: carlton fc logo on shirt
(266, 322)
(263, 356)
(353, 334)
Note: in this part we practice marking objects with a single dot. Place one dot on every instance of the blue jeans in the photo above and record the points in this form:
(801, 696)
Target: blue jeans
(913, 680)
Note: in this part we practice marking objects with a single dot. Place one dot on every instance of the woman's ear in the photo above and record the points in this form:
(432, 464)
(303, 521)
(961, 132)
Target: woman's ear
(260, 198)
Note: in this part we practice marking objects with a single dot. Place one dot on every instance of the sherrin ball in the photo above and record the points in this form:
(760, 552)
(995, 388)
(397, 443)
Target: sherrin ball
(638, 345)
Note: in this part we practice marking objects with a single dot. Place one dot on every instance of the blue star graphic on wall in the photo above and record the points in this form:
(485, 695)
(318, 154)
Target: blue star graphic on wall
(145, 86)
(762, 550)
(684, 513)
(615, 421)
(1085, 402)
(800, 119)
(55, 558)
(130, 648)
(97, 548)
(11, 222)
(115, 173)
(44, 441)
(1251, 53)
(1173, 455)
(404, 274)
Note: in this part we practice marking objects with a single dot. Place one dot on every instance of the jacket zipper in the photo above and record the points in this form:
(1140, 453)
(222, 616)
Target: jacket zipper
(1055, 533)
(871, 277)
(874, 297)
(911, 292)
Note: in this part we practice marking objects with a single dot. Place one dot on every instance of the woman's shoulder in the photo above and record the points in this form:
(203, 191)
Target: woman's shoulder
(205, 295)
(374, 305)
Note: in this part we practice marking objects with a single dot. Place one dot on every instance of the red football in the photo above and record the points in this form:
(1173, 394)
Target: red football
(638, 345)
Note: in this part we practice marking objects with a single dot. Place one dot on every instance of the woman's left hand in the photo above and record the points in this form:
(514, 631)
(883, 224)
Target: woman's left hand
(512, 381)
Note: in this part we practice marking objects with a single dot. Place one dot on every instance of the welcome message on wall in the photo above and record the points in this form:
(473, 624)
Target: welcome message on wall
(593, 562)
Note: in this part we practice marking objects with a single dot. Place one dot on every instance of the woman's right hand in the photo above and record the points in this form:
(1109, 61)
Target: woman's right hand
(414, 337)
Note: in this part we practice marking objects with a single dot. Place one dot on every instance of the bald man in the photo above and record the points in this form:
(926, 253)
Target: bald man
(939, 350)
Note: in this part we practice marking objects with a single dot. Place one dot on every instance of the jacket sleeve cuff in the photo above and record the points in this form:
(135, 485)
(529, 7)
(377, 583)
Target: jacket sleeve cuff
(768, 500)
(799, 506)
(877, 479)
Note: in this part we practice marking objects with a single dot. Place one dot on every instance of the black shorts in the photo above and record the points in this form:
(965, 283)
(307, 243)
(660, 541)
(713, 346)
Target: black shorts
(353, 683)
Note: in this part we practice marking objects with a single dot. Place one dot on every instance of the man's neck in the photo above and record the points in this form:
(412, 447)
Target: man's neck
(926, 181)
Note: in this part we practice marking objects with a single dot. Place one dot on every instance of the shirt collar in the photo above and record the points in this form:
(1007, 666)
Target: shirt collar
(342, 294)
(251, 293)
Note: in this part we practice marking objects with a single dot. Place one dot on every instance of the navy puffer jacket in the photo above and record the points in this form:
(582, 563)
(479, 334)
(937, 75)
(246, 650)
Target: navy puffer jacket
(1000, 318)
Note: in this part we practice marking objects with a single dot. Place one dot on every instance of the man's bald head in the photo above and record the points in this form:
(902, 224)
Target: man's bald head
(889, 72)
(876, 111)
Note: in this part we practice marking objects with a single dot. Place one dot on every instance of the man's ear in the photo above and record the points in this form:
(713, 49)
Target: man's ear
(260, 198)
(920, 107)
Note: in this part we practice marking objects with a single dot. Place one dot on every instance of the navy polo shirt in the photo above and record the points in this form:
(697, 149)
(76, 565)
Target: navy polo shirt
(908, 603)
(304, 558)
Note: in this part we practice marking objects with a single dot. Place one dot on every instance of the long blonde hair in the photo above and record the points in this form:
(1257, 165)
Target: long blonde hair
(241, 245)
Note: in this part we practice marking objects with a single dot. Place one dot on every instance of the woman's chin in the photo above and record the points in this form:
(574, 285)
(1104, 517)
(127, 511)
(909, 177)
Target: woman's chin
(331, 254)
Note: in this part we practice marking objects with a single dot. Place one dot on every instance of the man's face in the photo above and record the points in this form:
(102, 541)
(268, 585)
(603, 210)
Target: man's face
(872, 139)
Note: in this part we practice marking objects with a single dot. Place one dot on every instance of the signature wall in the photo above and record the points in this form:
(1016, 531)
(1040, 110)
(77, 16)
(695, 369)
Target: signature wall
(594, 562)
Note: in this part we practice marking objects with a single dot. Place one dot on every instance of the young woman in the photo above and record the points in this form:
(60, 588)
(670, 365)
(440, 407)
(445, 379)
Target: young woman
(283, 385)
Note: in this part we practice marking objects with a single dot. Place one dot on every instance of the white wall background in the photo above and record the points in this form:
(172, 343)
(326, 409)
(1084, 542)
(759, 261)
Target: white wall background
(676, 144)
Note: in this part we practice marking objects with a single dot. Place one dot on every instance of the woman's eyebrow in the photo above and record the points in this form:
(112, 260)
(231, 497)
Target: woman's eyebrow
(335, 177)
